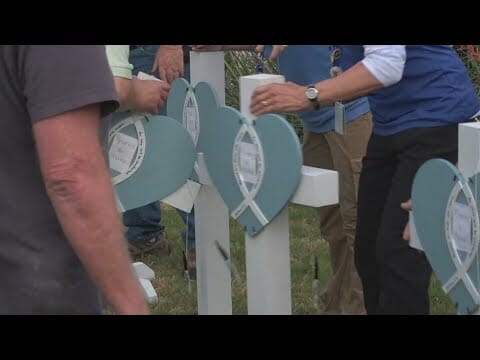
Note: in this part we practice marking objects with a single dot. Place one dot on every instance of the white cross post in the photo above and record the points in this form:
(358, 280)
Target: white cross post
(469, 148)
(211, 214)
(268, 253)
(214, 291)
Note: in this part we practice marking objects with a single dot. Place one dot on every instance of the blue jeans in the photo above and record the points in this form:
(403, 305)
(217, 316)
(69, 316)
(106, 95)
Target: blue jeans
(144, 223)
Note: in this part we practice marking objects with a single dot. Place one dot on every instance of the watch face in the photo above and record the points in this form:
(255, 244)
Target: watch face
(311, 93)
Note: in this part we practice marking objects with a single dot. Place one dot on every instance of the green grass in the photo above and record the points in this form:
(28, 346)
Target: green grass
(305, 243)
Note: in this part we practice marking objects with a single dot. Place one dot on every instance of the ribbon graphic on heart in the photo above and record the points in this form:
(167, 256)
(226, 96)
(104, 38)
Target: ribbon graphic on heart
(462, 267)
(244, 176)
(445, 212)
(254, 165)
(140, 150)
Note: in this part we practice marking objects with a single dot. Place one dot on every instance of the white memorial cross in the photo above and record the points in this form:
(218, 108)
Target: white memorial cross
(268, 253)
(211, 214)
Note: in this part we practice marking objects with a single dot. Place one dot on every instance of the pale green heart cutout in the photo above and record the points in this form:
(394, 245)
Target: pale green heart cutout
(150, 157)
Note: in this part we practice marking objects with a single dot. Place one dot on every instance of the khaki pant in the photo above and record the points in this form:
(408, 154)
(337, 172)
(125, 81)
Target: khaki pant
(342, 293)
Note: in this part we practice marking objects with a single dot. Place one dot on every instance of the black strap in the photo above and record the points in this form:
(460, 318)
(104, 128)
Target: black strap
(186, 54)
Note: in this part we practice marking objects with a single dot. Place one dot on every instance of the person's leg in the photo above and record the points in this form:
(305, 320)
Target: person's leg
(316, 153)
(404, 272)
(143, 223)
(378, 167)
(188, 234)
(347, 152)
(144, 231)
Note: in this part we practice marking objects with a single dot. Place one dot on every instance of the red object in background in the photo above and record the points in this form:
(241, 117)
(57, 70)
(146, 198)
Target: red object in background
(473, 52)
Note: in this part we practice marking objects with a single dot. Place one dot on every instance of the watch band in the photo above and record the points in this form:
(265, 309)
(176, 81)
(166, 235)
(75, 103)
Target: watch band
(315, 102)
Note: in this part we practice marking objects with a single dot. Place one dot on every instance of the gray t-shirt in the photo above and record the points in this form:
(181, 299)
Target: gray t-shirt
(39, 271)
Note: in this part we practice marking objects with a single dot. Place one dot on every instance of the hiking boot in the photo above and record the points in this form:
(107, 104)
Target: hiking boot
(158, 243)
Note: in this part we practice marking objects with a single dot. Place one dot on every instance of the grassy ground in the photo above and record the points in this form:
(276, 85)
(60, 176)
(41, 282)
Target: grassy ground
(305, 243)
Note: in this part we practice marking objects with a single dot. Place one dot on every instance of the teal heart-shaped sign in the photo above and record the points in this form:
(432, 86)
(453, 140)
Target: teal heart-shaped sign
(150, 157)
(190, 106)
(255, 166)
(445, 211)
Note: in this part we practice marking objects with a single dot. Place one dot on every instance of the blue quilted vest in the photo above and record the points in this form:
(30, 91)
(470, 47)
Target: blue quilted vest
(435, 90)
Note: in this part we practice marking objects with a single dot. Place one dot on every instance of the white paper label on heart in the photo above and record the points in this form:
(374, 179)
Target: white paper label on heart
(126, 153)
(248, 156)
(121, 152)
(191, 117)
(462, 227)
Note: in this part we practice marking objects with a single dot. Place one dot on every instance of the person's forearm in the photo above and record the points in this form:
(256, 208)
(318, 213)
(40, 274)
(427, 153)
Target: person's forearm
(81, 192)
(125, 93)
(85, 207)
(353, 83)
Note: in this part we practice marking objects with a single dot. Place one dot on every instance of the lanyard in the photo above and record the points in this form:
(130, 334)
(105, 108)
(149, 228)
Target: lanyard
(335, 70)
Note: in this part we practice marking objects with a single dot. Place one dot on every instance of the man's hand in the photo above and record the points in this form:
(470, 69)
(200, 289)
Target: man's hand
(169, 62)
(287, 97)
(148, 95)
(407, 206)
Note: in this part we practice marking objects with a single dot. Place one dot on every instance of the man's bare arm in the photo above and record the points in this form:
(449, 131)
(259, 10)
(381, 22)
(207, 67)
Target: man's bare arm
(81, 192)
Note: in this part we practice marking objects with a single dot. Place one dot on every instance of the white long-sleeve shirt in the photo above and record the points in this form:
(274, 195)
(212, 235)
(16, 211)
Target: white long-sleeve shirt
(385, 62)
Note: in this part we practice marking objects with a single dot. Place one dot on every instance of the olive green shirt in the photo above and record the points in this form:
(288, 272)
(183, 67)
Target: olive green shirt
(117, 56)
